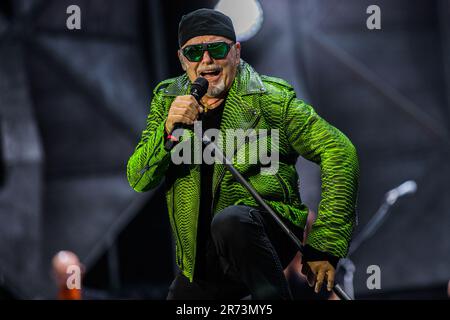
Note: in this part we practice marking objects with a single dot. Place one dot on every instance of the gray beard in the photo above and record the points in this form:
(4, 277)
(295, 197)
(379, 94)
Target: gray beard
(217, 90)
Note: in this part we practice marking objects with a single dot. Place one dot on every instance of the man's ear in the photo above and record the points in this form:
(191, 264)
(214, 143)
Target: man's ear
(180, 57)
(238, 52)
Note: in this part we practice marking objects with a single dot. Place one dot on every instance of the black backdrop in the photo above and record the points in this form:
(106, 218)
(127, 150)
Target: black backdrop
(72, 105)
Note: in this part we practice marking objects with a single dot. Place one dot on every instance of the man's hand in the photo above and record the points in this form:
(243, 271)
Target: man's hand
(317, 272)
(184, 109)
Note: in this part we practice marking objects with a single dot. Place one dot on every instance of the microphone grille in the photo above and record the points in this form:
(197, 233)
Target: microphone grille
(200, 85)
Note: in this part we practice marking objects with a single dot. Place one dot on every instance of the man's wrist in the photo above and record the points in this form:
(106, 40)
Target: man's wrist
(312, 254)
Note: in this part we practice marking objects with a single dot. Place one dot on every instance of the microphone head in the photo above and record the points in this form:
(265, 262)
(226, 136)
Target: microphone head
(407, 187)
(199, 88)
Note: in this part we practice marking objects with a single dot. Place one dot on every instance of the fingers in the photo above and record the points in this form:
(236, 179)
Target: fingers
(318, 272)
(184, 109)
(330, 278)
(182, 119)
(188, 101)
(183, 112)
(319, 280)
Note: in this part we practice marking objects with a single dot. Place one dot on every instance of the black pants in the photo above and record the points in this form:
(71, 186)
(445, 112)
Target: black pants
(247, 255)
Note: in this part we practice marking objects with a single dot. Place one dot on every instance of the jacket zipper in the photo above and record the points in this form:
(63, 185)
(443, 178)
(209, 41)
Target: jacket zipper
(283, 186)
(178, 243)
(223, 173)
(215, 191)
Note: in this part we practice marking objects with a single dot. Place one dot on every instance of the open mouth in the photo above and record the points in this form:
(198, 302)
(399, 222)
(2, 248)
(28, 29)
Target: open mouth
(210, 73)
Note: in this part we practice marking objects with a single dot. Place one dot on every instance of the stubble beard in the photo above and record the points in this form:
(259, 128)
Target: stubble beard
(217, 90)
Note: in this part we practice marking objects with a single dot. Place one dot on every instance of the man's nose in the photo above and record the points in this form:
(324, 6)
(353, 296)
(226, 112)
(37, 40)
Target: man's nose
(206, 57)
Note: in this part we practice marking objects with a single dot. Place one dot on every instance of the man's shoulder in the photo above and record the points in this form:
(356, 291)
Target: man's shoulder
(173, 87)
(162, 86)
(276, 85)
(277, 93)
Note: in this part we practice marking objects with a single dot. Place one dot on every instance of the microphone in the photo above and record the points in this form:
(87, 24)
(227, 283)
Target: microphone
(407, 187)
(198, 89)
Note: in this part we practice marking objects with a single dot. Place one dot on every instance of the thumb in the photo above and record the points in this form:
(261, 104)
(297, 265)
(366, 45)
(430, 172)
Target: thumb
(310, 276)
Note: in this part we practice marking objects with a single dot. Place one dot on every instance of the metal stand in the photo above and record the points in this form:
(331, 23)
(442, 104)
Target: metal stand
(369, 230)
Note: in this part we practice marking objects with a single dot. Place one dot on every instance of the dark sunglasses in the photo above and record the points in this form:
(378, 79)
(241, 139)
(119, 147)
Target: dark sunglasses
(217, 50)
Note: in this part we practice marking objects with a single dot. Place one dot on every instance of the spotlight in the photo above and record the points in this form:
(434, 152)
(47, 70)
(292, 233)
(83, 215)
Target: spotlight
(247, 16)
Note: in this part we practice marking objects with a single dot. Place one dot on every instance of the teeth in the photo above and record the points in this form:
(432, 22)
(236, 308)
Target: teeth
(210, 71)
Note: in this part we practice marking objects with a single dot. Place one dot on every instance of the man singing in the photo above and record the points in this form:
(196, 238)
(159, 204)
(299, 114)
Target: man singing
(227, 247)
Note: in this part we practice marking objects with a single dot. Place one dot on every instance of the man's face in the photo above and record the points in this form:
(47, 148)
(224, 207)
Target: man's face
(220, 73)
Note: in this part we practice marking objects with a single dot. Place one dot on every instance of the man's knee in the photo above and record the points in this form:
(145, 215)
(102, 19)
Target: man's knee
(230, 223)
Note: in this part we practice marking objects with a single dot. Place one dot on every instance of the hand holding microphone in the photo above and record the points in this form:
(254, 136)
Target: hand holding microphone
(185, 110)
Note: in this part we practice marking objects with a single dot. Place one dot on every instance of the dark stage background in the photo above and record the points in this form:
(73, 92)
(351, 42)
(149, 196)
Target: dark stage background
(73, 103)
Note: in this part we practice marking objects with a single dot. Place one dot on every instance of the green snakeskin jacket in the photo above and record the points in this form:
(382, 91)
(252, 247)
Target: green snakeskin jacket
(254, 101)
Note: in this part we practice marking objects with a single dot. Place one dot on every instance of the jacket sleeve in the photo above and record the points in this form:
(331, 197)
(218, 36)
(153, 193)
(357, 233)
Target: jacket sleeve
(316, 140)
(149, 162)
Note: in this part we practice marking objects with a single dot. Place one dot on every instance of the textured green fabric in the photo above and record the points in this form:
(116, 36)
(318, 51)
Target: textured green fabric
(259, 102)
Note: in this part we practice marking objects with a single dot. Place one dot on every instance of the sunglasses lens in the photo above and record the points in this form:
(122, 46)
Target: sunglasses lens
(193, 53)
(218, 50)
